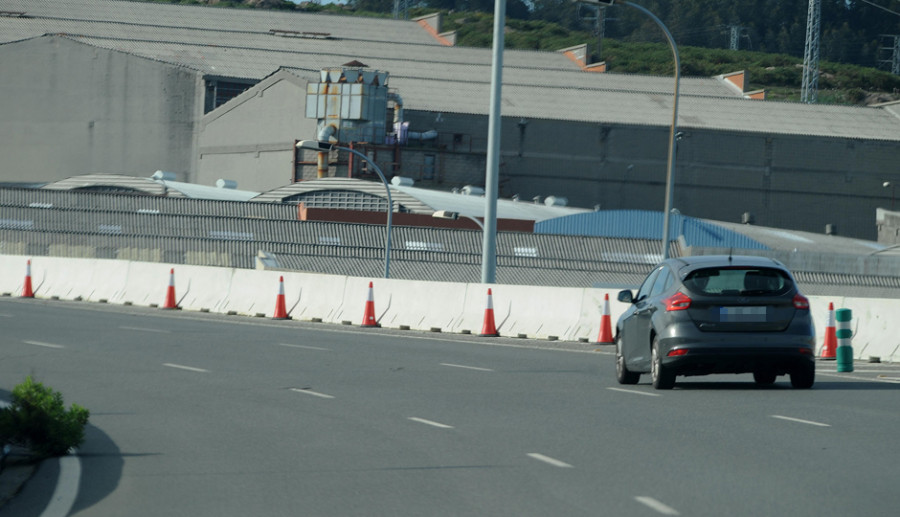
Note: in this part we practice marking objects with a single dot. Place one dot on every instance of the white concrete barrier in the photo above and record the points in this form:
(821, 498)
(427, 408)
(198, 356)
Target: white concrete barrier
(567, 314)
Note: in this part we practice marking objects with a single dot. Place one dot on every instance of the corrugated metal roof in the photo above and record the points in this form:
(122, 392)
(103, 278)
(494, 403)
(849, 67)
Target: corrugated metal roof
(202, 18)
(541, 85)
(151, 187)
(645, 224)
(423, 201)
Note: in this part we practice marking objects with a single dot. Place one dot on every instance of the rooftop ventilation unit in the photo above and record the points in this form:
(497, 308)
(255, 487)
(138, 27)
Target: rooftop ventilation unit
(352, 102)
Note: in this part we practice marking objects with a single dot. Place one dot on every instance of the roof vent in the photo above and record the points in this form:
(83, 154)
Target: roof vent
(556, 201)
(471, 190)
(223, 183)
(164, 176)
(400, 181)
(284, 33)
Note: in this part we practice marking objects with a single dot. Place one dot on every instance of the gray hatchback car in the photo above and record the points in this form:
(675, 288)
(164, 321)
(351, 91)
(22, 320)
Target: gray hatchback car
(716, 314)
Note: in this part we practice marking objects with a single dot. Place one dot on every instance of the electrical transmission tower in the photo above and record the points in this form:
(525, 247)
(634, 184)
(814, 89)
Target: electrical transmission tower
(735, 36)
(401, 9)
(891, 46)
(810, 87)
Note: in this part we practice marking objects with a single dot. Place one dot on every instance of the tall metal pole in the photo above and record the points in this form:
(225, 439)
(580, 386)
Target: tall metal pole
(492, 172)
(673, 131)
(390, 209)
(314, 145)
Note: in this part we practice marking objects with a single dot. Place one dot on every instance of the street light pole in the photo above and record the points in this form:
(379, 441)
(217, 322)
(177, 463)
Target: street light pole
(670, 167)
(492, 172)
(890, 184)
(313, 145)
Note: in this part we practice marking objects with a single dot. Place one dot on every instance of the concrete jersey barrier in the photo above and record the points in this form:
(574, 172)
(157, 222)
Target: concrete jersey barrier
(568, 314)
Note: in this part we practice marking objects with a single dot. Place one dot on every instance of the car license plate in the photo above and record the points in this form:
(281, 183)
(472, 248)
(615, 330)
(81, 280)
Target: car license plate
(742, 314)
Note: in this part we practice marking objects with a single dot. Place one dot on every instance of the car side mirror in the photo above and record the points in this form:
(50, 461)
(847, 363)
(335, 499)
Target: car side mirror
(626, 296)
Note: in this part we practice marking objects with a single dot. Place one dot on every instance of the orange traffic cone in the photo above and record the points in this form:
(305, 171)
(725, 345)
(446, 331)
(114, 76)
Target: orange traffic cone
(170, 292)
(489, 329)
(27, 291)
(605, 336)
(280, 309)
(369, 314)
(829, 349)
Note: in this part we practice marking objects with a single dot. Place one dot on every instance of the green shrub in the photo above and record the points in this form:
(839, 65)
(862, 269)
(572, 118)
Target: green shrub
(36, 419)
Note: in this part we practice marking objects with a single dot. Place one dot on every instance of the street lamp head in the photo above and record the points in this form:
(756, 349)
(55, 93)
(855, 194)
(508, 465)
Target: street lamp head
(886, 184)
(445, 214)
(314, 145)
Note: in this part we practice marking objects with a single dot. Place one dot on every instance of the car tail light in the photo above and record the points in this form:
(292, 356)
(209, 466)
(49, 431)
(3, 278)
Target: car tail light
(679, 302)
(677, 352)
(800, 302)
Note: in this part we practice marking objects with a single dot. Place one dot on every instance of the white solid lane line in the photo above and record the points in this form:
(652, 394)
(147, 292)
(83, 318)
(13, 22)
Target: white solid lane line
(430, 422)
(656, 505)
(313, 393)
(66, 487)
(634, 392)
(800, 421)
(550, 461)
(467, 367)
(306, 347)
(880, 378)
(45, 345)
(142, 329)
(188, 368)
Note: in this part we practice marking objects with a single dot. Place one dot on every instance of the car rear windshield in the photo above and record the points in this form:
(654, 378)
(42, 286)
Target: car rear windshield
(739, 281)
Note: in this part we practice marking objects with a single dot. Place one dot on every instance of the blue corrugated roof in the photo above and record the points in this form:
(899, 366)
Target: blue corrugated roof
(646, 224)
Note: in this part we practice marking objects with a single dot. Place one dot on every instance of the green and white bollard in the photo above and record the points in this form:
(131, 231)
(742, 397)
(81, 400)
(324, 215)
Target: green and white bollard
(844, 334)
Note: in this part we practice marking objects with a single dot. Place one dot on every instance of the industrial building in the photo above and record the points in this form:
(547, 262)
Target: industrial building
(209, 94)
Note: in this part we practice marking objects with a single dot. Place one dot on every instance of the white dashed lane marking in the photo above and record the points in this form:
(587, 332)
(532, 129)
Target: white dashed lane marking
(313, 393)
(656, 505)
(188, 368)
(634, 392)
(451, 365)
(548, 460)
(142, 329)
(45, 345)
(430, 422)
(800, 421)
(305, 347)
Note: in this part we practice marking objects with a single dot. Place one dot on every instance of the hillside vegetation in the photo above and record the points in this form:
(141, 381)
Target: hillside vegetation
(771, 38)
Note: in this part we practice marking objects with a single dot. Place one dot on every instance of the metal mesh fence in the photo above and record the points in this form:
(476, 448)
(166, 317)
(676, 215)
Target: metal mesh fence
(219, 233)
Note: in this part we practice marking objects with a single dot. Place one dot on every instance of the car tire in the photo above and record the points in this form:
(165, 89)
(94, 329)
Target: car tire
(662, 377)
(623, 375)
(764, 377)
(804, 376)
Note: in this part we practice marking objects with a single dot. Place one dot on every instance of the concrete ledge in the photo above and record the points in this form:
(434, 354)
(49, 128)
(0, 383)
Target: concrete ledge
(539, 312)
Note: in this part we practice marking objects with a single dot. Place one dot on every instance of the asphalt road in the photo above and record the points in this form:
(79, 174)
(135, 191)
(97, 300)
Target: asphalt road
(206, 415)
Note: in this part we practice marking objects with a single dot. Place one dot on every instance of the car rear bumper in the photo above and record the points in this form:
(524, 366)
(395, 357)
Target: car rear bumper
(781, 353)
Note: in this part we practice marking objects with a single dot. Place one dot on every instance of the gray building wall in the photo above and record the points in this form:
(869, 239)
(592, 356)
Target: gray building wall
(250, 139)
(69, 109)
(786, 181)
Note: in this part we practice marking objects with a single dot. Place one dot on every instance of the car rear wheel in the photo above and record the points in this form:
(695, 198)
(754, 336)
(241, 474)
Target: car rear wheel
(623, 375)
(662, 377)
(764, 377)
(804, 376)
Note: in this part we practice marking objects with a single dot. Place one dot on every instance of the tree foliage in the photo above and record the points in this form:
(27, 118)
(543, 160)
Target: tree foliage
(38, 420)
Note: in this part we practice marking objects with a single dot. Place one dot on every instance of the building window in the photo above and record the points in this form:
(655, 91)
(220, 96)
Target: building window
(428, 169)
